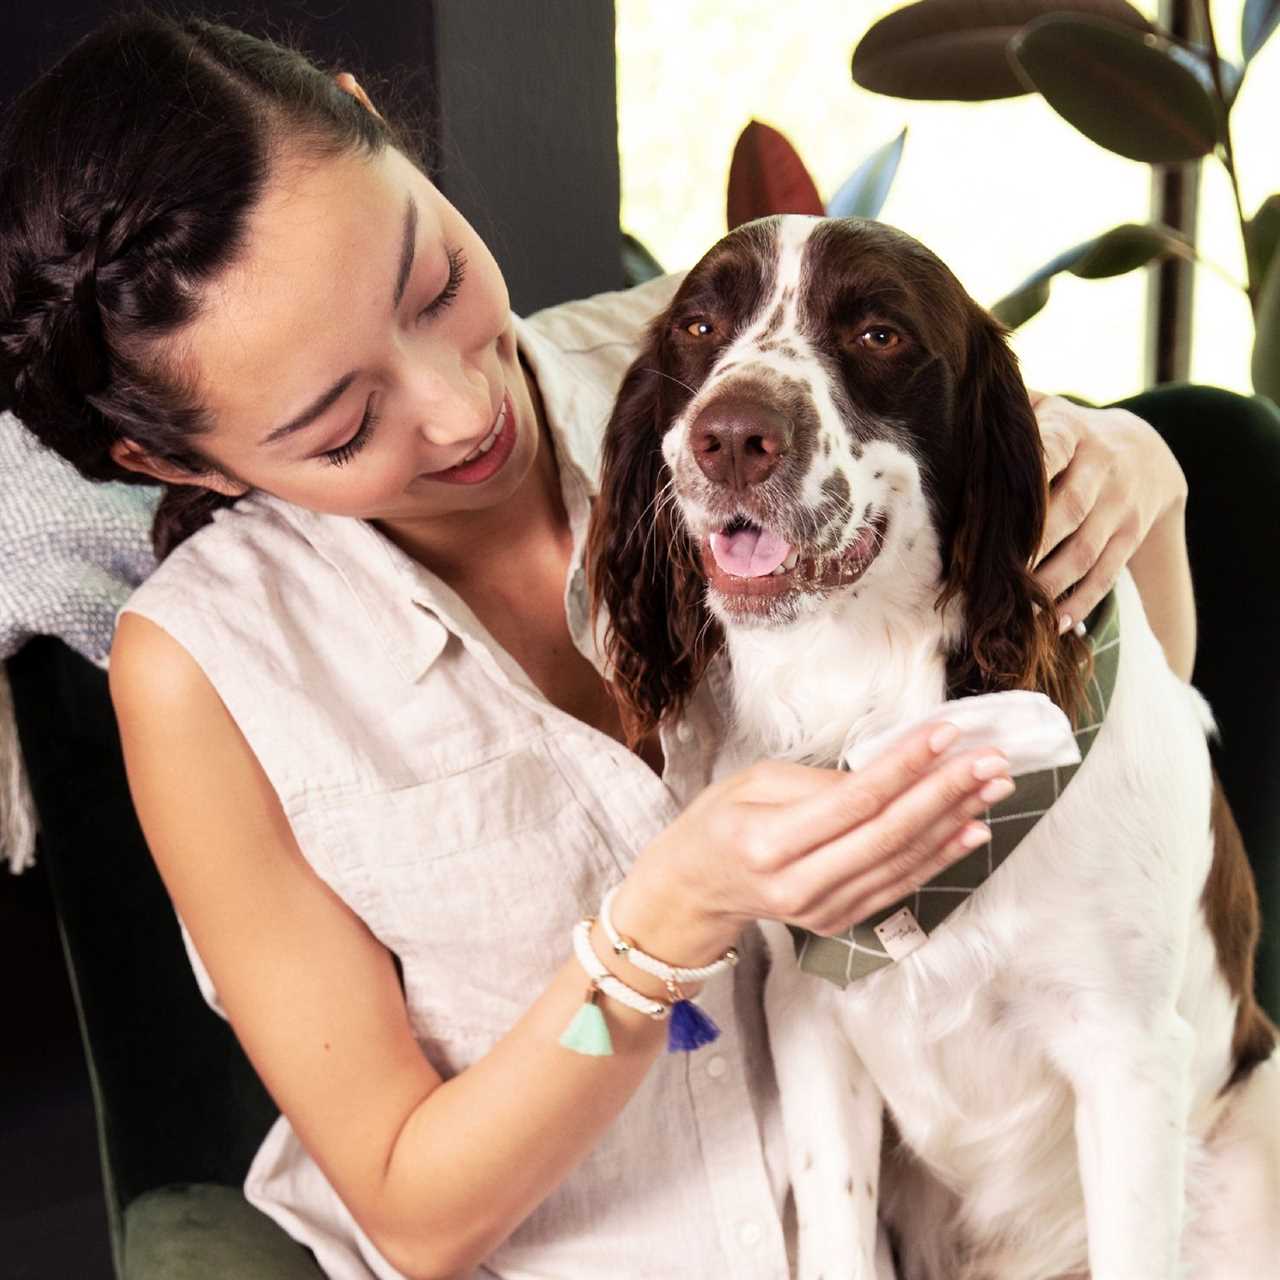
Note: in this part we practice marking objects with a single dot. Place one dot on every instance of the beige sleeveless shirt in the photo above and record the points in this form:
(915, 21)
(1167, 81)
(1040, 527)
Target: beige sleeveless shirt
(469, 823)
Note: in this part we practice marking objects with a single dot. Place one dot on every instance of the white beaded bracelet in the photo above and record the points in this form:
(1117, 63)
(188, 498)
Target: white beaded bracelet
(669, 973)
(613, 987)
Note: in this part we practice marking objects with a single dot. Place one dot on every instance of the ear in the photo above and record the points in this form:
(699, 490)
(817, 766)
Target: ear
(349, 84)
(642, 566)
(133, 457)
(1011, 625)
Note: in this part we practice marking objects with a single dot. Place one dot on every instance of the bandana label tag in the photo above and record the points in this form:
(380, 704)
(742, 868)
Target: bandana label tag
(900, 934)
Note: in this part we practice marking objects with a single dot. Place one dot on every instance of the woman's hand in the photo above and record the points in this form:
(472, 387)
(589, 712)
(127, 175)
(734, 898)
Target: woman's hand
(813, 847)
(1112, 478)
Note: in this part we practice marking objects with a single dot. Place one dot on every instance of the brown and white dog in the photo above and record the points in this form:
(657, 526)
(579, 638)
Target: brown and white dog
(825, 464)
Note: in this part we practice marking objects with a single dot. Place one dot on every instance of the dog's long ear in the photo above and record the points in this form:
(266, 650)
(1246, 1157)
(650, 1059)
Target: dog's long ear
(1011, 624)
(642, 565)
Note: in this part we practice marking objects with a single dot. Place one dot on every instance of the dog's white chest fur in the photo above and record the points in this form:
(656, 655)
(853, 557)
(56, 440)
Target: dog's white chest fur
(1078, 988)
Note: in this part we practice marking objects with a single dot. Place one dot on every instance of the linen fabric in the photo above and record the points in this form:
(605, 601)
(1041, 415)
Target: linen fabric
(470, 824)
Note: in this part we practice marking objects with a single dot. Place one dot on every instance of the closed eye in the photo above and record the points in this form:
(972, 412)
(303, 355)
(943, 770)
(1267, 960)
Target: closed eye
(457, 271)
(343, 454)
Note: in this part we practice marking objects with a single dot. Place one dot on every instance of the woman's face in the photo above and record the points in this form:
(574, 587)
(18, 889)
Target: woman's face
(360, 349)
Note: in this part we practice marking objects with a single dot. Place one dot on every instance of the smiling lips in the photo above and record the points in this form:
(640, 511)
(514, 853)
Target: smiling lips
(756, 562)
(487, 458)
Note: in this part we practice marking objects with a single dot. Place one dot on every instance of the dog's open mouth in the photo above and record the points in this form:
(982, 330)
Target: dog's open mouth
(750, 563)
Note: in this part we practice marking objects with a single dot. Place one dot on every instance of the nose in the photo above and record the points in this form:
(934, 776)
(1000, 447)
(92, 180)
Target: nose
(451, 395)
(739, 442)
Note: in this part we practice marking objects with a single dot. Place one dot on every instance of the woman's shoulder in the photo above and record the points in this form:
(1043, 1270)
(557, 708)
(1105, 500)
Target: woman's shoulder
(241, 585)
(605, 331)
(236, 556)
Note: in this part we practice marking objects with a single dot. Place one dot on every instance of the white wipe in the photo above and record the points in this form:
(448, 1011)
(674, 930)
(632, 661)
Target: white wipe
(1032, 731)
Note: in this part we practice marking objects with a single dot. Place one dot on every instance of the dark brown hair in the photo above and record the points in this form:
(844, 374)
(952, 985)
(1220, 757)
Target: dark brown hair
(127, 176)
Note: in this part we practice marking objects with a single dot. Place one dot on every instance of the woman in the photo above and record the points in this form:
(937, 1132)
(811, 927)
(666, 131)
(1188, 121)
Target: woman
(366, 732)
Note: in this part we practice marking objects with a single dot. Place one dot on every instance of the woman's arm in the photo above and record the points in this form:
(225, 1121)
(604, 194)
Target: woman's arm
(1117, 497)
(439, 1173)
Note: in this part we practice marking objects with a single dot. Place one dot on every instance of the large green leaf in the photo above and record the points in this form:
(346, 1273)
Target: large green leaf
(1262, 237)
(1266, 343)
(1259, 20)
(956, 48)
(1127, 92)
(863, 192)
(767, 176)
(1115, 252)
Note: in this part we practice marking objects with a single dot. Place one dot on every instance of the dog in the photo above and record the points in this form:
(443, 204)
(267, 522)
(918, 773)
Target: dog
(824, 466)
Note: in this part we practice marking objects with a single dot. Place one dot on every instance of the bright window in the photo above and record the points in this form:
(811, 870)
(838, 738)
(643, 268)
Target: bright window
(995, 189)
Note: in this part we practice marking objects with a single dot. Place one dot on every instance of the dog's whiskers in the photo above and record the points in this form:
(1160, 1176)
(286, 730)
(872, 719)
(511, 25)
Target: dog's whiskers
(671, 378)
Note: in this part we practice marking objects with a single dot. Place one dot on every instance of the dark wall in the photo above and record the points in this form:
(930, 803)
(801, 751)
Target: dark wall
(517, 97)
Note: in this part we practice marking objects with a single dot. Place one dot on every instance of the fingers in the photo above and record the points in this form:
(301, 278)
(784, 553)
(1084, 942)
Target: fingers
(1090, 591)
(901, 849)
(1084, 567)
(1072, 499)
(777, 782)
(953, 837)
(827, 812)
(884, 857)
(1057, 438)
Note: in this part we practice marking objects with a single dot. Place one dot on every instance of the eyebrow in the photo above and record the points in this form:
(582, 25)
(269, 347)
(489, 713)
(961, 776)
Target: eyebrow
(328, 398)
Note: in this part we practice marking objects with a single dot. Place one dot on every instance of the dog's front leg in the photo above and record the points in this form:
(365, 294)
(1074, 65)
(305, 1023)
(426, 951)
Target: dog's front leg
(832, 1115)
(1132, 1081)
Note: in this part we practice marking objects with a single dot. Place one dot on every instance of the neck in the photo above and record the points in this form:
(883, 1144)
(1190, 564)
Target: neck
(808, 691)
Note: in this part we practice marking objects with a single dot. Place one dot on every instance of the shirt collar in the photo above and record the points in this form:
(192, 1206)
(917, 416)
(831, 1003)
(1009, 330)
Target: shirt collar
(410, 609)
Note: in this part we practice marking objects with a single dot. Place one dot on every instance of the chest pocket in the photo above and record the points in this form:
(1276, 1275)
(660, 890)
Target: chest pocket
(474, 881)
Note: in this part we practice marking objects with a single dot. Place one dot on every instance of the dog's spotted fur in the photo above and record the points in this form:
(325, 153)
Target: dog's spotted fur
(1076, 1072)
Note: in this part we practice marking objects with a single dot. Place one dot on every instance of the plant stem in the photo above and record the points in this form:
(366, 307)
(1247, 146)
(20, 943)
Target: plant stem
(1228, 154)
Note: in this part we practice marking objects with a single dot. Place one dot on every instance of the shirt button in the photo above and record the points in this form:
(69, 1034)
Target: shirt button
(716, 1067)
(750, 1234)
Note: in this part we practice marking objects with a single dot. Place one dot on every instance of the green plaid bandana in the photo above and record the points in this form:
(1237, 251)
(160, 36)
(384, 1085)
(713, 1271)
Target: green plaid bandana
(898, 929)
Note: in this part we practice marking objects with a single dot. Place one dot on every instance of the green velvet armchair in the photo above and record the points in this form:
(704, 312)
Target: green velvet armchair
(180, 1111)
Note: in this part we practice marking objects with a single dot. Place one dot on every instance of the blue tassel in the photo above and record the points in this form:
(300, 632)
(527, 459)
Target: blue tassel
(690, 1028)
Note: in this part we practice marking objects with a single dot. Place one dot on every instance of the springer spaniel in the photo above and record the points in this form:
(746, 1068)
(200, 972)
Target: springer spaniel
(825, 464)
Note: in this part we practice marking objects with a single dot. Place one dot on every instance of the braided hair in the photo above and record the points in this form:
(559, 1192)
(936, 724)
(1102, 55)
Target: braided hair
(128, 173)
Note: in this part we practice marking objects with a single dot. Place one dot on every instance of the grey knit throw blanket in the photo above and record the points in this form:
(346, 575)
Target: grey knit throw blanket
(71, 553)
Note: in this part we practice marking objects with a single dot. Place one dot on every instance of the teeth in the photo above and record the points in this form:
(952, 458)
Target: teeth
(790, 562)
(490, 440)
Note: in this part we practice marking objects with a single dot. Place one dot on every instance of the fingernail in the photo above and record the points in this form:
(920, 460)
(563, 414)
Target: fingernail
(996, 790)
(1064, 623)
(943, 737)
(989, 766)
(975, 834)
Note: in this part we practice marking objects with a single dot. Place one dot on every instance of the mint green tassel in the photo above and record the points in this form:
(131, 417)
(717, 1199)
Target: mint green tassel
(588, 1033)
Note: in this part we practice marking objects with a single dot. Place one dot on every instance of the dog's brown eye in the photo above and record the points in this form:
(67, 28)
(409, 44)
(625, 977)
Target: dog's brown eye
(879, 338)
(699, 328)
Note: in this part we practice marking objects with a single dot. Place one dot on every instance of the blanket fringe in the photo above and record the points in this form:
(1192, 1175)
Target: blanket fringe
(17, 808)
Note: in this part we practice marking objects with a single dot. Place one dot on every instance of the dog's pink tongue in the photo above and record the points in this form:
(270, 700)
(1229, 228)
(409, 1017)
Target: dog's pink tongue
(749, 553)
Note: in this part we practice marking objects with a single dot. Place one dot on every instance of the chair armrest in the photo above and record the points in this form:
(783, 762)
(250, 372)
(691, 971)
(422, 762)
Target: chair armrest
(202, 1231)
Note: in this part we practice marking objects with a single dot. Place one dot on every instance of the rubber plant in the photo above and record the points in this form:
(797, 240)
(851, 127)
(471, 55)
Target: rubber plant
(1121, 80)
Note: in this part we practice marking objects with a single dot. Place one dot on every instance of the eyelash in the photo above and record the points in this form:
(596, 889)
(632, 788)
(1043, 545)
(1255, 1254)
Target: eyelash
(343, 454)
(457, 270)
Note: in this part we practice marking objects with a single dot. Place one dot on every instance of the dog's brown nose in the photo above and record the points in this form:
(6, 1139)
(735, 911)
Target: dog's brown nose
(738, 442)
